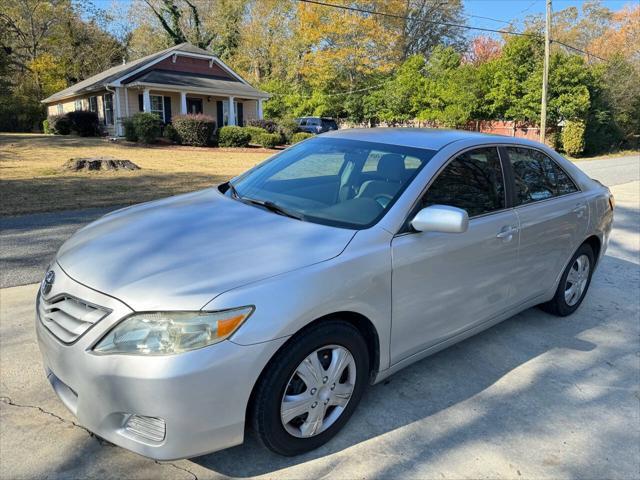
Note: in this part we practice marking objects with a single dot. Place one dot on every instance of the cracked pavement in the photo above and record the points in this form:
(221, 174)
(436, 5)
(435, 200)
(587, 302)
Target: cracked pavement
(534, 397)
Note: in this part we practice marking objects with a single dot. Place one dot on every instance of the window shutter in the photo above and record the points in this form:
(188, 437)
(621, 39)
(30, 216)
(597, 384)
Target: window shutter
(140, 103)
(241, 114)
(167, 109)
(220, 111)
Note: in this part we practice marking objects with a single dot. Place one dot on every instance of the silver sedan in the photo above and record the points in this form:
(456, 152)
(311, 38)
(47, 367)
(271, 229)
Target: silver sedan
(272, 301)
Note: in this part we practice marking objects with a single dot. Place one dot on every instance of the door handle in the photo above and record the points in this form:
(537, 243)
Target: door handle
(507, 232)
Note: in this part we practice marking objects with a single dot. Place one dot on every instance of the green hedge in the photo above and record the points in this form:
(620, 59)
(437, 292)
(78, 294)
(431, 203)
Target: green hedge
(267, 124)
(194, 129)
(287, 127)
(170, 133)
(147, 126)
(60, 125)
(129, 130)
(46, 128)
(300, 136)
(255, 133)
(233, 137)
(573, 137)
(84, 123)
(269, 140)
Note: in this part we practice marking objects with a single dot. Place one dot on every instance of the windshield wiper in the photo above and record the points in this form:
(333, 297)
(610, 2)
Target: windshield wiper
(272, 207)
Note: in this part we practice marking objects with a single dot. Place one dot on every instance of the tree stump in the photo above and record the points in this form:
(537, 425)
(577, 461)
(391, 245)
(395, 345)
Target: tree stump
(99, 164)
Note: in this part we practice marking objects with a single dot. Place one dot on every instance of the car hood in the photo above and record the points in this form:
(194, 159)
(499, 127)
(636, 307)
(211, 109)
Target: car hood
(179, 253)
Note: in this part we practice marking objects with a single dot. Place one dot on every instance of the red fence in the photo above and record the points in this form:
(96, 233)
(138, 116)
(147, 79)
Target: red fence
(496, 127)
(507, 128)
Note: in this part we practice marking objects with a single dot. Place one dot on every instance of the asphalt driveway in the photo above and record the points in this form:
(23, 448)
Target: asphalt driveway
(534, 397)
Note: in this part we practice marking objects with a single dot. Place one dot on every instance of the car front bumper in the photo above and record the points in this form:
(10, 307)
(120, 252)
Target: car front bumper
(196, 400)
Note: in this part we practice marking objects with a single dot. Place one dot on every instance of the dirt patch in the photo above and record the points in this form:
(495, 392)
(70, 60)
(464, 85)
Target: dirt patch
(98, 164)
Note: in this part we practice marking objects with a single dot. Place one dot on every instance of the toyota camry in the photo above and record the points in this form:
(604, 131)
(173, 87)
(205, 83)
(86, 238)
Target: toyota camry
(270, 302)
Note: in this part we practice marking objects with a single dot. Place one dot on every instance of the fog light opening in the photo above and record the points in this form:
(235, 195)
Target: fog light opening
(151, 428)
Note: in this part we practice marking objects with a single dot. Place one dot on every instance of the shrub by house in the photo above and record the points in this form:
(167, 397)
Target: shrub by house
(194, 129)
(232, 136)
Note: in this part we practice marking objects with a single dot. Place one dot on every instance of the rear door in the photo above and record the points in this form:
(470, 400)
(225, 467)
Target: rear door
(445, 283)
(553, 217)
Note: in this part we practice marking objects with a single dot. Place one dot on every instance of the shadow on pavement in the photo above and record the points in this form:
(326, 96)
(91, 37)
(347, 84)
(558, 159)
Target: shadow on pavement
(531, 403)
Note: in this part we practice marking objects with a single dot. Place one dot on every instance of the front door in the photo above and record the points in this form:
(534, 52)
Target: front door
(553, 220)
(446, 283)
(194, 105)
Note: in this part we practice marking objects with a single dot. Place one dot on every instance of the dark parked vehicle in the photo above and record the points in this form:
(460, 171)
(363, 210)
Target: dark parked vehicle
(316, 124)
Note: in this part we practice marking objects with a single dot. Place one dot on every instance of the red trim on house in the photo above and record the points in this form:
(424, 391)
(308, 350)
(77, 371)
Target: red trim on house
(187, 65)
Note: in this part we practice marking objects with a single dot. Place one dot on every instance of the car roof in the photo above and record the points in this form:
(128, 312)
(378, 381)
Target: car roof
(429, 138)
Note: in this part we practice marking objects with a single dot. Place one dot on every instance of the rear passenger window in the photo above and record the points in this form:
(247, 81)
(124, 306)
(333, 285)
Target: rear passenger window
(472, 181)
(537, 176)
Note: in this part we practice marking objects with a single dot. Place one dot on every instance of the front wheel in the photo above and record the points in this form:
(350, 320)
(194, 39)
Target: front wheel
(311, 388)
(574, 283)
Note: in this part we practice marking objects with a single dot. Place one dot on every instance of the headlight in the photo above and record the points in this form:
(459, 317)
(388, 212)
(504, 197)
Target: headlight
(167, 333)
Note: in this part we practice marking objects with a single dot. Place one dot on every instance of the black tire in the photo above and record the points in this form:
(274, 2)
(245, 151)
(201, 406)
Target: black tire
(269, 392)
(558, 305)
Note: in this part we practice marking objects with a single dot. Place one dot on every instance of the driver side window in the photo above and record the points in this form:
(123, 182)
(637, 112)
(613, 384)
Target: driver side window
(472, 181)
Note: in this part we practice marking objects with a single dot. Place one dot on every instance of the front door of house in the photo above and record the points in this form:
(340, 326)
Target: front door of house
(194, 105)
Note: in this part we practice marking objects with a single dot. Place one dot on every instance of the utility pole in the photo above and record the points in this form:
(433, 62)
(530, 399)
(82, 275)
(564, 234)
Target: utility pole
(545, 74)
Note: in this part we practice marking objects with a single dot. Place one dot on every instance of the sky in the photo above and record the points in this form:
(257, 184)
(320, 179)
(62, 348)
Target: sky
(509, 10)
(499, 12)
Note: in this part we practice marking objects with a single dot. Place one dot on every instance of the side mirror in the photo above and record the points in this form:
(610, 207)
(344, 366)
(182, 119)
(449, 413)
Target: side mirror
(441, 218)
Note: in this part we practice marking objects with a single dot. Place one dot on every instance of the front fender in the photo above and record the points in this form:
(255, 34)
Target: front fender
(358, 280)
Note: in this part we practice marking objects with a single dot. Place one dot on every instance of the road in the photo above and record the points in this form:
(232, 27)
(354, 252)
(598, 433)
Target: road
(29, 242)
(534, 397)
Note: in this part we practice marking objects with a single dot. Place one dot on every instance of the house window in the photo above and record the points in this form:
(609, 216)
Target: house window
(60, 109)
(157, 106)
(108, 108)
(93, 104)
(78, 105)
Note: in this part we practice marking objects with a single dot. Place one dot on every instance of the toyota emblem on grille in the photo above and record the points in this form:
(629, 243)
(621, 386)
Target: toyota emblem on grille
(47, 283)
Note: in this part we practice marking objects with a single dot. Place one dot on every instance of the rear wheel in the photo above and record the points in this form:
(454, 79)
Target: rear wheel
(574, 283)
(311, 388)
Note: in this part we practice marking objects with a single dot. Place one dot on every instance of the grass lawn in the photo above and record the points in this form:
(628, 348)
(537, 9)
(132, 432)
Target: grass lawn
(31, 178)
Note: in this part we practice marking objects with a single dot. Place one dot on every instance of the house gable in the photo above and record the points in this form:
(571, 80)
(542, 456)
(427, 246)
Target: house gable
(186, 64)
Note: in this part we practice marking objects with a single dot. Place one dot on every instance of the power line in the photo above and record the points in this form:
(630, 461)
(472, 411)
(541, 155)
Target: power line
(571, 47)
(336, 94)
(497, 20)
(422, 20)
(449, 24)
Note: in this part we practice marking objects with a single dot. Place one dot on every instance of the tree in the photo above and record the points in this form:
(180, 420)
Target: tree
(211, 27)
(47, 45)
(448, 98)
(622, 36)
(269, 47)
(515, 86)
(482, 49)
(401, 98)
(429, 24)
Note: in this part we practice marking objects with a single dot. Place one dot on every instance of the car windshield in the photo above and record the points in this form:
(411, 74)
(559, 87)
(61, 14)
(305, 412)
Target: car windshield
(339, 182)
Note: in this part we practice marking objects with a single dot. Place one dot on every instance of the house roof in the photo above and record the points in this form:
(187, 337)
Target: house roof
(102, 79)
(197, 81)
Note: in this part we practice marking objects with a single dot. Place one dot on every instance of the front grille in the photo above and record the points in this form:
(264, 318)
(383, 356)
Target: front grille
(67, 317)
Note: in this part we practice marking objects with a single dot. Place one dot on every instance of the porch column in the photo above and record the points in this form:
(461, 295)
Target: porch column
(126, 102)
(183, 103)
(146, 100)
(232, 112)
(259, 109)
(117, 113)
